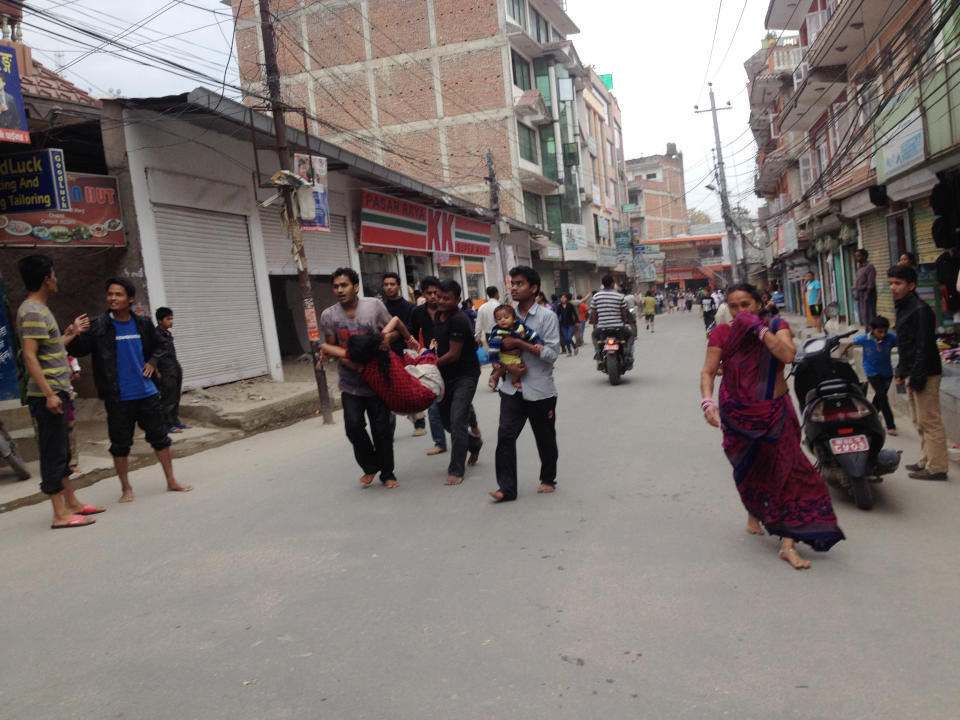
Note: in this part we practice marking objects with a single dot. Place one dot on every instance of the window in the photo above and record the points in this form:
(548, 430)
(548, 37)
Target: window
(521, 72)
(528, 143)
(899, 235)
(517, 10)
(651, 176)
(539, 27)
(532, 208)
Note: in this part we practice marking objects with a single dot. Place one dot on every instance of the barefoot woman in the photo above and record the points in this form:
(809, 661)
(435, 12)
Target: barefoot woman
(761, 434)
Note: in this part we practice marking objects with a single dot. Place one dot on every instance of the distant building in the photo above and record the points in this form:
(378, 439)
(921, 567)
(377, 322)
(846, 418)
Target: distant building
(657, 200)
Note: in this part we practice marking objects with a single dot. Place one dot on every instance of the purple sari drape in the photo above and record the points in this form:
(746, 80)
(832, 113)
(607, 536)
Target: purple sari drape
(761, 437)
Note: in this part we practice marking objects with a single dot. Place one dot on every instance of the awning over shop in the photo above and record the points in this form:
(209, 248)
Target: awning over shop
(394, 223)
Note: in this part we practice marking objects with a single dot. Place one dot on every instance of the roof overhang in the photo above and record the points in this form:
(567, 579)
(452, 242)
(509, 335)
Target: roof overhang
(786, 14)
(848, 31)
(819, 89)
(208, 109)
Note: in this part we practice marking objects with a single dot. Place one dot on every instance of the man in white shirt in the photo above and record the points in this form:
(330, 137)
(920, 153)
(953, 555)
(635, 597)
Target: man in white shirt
(485, 321)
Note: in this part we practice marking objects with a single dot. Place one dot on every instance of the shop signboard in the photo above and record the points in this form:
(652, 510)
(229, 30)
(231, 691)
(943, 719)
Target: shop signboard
(607, 257)
(622, 241)
(313, 169)
(393, 223)
(13, 119)
(643, 249)
(903, 149)
(94, 217)
(32, 181)
(9, 385)
(576, 245)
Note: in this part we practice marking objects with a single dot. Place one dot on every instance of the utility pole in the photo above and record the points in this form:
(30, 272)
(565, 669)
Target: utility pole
(495, 206)
(722, 179)
(291, 205)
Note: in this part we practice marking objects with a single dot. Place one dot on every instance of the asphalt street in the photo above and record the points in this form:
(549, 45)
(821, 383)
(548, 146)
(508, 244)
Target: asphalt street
(281, 589)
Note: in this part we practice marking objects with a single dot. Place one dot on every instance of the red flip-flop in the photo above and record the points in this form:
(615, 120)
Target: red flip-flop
(73, 522)
(91, 510)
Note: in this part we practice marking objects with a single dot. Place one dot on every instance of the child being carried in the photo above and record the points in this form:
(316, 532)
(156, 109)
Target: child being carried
(509, 361)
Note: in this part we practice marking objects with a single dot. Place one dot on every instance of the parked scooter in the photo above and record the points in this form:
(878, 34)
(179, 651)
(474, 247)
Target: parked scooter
(840, 426)
(612, 356)
(8, 451)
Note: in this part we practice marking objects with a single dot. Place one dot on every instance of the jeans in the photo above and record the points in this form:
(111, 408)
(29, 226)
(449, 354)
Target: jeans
(514, 413)
(583, 331)
(880, 386)
(456, 410)
(374, 455)
(566, 337)
(436, 426)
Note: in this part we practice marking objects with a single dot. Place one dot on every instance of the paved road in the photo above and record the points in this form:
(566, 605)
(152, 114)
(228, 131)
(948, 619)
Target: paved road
(280, 589)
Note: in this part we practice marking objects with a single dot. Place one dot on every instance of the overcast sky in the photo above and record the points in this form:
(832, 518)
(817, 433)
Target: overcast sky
(658, 52)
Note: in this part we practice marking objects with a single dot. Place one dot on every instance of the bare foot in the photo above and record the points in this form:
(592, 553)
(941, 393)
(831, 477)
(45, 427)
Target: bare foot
(790, 554)
(367, 479)
(753, 526)
(177, 487)
(453, 480)
(892, 431)
(391, 483)
(127, 496)
(496, 495)
(544, 488)
(435, 450)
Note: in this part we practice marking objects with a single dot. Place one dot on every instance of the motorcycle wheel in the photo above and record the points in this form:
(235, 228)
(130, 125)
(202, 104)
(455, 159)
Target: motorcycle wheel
(862, 493)
(613, 369)
(16, 462)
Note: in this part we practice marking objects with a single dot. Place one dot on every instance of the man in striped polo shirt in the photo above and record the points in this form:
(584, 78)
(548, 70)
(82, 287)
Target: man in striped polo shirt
(610, 311)
(46, 361)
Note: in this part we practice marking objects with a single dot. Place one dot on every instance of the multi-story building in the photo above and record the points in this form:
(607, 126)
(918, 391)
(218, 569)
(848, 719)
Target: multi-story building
(428, 87)
(657, 199)
(854, 113)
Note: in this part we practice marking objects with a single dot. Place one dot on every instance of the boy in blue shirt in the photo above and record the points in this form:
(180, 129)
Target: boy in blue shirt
(877, 345)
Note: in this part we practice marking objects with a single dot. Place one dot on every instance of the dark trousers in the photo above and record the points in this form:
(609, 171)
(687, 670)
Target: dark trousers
(880, 386)
(171, 387)
(867, 306)
(514, 413)
(53, 442)
(124, 415)
(374, 455)
(456, 412)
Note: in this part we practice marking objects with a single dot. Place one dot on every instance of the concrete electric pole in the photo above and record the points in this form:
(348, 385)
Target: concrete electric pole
(722, 179)
(495, 206)
(291, 204)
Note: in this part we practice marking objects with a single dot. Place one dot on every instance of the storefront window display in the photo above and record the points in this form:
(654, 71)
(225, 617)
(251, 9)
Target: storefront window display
(373, 265)
(418, 267)
(476, 286)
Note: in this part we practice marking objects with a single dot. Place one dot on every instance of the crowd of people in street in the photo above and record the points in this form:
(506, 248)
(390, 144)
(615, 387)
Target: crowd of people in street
(423, 359)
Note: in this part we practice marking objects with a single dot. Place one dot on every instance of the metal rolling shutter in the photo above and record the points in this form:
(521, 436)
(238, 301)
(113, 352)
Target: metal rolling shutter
(873, 228)
(923, 244)
(325, 251)
(208, 276)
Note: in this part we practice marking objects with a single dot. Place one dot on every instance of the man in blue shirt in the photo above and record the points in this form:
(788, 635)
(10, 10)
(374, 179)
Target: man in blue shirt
(877, 346)
(814, 301)
(126, 352)
(536, 398)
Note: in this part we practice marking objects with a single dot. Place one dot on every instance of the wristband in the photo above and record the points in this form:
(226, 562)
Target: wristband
(763, 333)
(707, 403)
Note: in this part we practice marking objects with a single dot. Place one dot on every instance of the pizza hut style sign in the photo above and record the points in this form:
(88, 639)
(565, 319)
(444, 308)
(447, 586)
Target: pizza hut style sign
(393, 223)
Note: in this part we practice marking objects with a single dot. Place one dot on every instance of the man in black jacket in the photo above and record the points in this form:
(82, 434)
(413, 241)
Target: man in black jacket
(126, 353)
(170, 372)
(919, 368)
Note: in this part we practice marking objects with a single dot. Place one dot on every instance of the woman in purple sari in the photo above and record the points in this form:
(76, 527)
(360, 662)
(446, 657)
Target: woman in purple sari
(780, 489)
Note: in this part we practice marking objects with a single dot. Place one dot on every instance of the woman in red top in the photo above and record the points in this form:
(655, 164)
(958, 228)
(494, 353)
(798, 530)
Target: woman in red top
(584, 311)
(779, 487)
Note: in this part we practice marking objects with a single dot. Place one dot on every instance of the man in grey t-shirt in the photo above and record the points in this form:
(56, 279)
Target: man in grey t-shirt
(354, 315)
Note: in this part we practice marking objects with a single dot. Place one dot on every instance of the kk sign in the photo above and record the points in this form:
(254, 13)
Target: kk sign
(33, 181)
(394, 223)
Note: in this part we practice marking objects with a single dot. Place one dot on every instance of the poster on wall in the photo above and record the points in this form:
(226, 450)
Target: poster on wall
(93, 217)
(576, 245)
(393, 223)
(313, 169)
(9, 385)
(13, 119)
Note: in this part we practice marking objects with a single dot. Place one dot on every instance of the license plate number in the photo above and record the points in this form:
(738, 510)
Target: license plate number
(612, 348)
(854, 443)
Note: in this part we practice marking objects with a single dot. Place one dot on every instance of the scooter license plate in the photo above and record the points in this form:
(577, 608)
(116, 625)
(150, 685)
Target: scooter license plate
(611, 348)
(852, 444)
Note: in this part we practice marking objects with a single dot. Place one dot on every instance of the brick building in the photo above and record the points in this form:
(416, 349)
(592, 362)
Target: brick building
(427, 87)
(657, 201)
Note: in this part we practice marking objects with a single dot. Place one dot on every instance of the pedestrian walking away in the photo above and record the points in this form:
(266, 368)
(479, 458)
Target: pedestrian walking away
(569, 318)
(457, 357)
(351, 316)
(48, 384)
(778, 486)
(401, 308)
(877, 346)
(536, 399)
(126, 353)
(708, 310)
(169, 372)
(865, 288)
(650, 310)
(920, 370)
